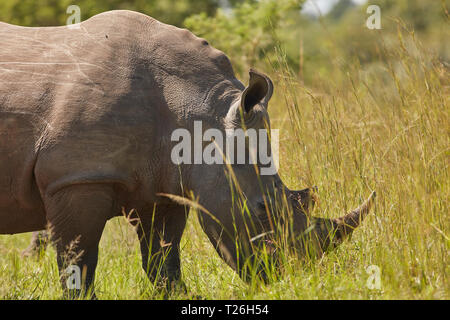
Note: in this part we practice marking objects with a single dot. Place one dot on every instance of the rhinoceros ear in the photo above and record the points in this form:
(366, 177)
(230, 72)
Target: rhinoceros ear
(259, 90)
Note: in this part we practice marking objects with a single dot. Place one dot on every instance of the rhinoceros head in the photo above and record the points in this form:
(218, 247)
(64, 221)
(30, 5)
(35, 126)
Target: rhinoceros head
(246, 209)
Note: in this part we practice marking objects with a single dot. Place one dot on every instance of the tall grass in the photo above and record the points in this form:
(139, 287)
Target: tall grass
(385, 128)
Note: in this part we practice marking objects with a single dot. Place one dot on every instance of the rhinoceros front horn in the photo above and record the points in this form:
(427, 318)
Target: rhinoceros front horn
(346, 224)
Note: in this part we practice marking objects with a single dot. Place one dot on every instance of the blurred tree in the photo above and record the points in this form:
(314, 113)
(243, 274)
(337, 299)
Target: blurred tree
(418, 14)
(53, 12)
(341, 8)
(340, 40)
(250, 31)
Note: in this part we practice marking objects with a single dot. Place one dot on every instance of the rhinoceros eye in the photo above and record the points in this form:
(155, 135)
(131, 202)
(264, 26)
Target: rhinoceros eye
(261, 213)
(261, 206)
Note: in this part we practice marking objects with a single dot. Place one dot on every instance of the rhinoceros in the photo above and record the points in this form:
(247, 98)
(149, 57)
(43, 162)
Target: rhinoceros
(87, 114)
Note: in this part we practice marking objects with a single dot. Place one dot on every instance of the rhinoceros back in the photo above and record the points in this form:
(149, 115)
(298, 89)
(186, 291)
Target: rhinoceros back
(94, 99)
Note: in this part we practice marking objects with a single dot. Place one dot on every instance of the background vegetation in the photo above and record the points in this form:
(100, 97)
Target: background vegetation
(358, 109)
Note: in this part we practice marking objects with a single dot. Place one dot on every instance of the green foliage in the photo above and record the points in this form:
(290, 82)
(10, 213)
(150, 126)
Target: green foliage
(341, 8)
(337, 42)
(418, 14)
(253, 32)
(249, 32)
(53, 12)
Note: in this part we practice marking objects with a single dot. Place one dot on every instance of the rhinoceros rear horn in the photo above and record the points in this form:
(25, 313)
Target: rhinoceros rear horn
(303, 198)
(346, 224)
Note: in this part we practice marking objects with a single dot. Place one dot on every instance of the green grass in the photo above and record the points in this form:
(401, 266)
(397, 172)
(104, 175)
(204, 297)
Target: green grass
(383, 129)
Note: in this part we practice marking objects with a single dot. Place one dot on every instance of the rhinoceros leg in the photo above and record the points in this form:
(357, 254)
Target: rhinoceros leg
(77, 216)
(38, 243)
(159, 236)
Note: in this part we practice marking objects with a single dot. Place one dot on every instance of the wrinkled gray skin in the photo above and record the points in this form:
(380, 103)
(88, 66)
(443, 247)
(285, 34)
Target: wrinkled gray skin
(86, 117)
